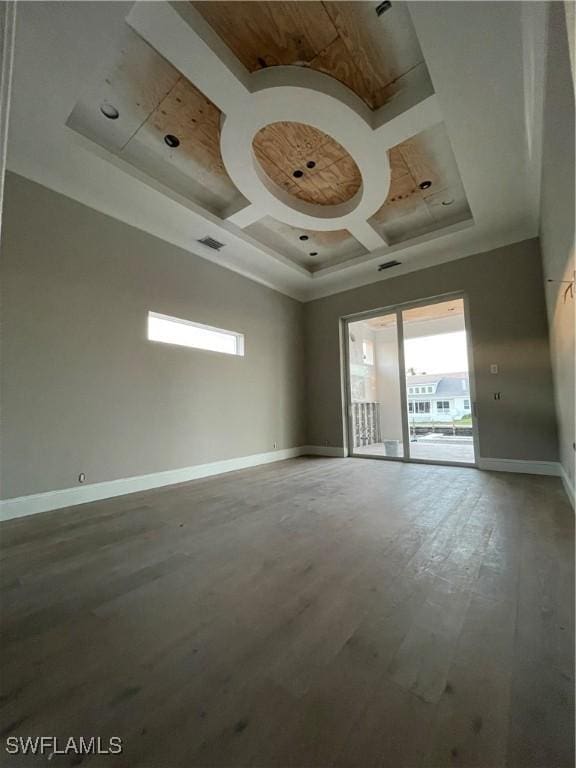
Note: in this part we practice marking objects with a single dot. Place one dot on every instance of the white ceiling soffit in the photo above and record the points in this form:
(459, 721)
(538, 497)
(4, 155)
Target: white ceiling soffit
(485, 63)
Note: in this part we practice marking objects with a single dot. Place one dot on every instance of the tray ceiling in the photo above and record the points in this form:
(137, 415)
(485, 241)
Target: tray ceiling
(318, 197)
(171, 69)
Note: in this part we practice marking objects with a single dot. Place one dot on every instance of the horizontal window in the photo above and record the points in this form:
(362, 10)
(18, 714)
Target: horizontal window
(443, 405)
(172, 330)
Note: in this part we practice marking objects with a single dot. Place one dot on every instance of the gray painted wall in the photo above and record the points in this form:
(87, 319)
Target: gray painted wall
(83, 390)
(557, 226)
(508, 327)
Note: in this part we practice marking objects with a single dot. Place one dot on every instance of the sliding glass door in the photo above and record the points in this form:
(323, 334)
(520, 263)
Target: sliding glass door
(439, 402)
(375, 405)
(409, 390)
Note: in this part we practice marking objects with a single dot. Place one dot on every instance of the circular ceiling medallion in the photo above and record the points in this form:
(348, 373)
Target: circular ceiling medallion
(337, 122)
(307, 163)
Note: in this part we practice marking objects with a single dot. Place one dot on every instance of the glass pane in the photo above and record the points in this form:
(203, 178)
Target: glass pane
(375, 407)
(437, 383)
(172, 330)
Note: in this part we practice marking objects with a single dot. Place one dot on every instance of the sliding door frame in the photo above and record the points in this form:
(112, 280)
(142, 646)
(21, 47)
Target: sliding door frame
(398, 310)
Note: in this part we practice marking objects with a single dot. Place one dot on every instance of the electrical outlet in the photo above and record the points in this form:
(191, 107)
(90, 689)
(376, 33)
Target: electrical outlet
(81, 477)
(494, 368)
(497, 396)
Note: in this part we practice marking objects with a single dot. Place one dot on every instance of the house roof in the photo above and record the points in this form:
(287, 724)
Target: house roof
(447, 383)
(448, 386)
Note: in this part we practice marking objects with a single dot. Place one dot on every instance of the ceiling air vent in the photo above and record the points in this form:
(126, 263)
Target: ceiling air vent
(387, 265)
(211, 243)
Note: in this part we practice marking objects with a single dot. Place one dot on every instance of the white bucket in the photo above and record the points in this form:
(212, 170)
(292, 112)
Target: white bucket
(391, 447)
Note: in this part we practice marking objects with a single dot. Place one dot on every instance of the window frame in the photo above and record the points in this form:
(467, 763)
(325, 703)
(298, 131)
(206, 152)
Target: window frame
(239, 339)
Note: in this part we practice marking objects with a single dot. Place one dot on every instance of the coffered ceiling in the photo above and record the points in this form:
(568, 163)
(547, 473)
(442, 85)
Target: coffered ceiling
(354, 59)
(311, 139)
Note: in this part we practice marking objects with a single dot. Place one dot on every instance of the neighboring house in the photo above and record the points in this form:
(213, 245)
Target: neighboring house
(438, 397)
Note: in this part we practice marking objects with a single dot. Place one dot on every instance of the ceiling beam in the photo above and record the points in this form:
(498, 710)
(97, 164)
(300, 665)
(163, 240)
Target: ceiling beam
(243, 217)
(181, 35)
(403, 125)
(367, 235)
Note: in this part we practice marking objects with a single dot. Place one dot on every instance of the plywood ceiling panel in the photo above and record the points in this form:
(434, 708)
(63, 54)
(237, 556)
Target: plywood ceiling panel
(267, 34)
(283, 149)
(409, 210)
(142, 78)
(153, 100)
(384, 48)
(347, 40)
(187, 114)
(337, 61)
(318, 250)
(136, 83)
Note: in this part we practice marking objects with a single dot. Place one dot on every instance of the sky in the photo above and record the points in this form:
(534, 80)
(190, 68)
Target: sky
(443, 353)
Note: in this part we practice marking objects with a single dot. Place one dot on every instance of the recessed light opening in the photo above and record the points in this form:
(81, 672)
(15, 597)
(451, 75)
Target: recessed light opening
(383, 7)
(310, 164)
(109, 111)
(172, 141)
(448, 202)
(425, 184)
(298, 174)
(313, 253)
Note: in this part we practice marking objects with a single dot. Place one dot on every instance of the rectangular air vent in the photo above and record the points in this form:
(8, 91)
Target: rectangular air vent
(387, 265)
(211, 243)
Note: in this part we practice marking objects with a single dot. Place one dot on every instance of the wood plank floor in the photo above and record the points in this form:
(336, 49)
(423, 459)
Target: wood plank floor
(314, 612)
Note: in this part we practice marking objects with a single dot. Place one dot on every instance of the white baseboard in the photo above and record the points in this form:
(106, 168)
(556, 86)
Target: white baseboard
(69, 497)
(553, 468)
(568, 487)
(520, 466)
(337, 452)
